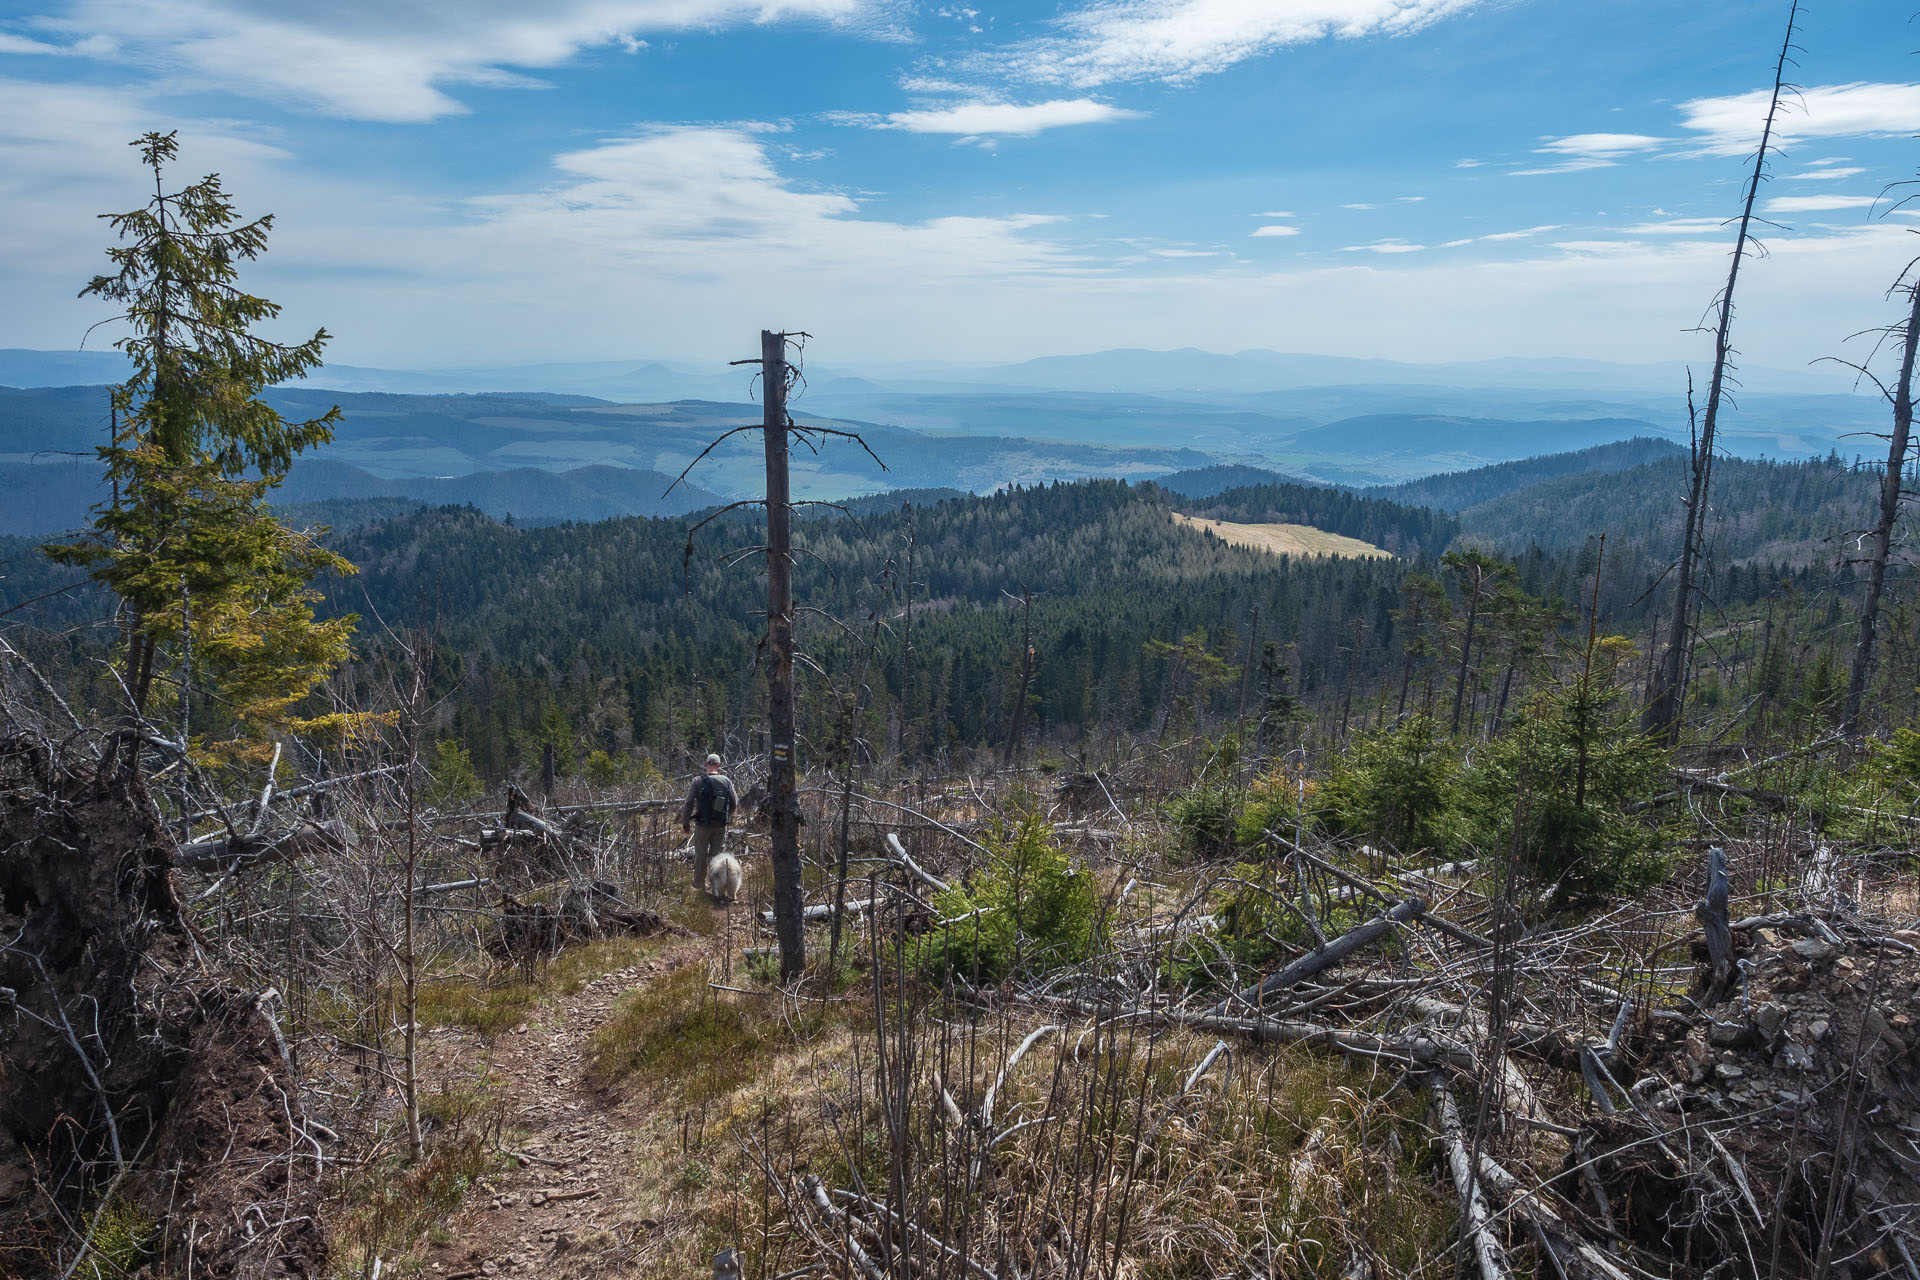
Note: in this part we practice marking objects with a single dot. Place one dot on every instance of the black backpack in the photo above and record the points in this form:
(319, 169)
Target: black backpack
(713, 804)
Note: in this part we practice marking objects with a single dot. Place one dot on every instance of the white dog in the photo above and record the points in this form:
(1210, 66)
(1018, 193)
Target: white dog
(723, 877)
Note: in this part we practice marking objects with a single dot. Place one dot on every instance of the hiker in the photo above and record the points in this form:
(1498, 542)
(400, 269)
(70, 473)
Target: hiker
(710, 802)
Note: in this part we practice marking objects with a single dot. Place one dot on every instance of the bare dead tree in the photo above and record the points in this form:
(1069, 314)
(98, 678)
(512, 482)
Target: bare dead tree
(782, 805)
(1880, 546)
(1667, 697)
(1017, 726)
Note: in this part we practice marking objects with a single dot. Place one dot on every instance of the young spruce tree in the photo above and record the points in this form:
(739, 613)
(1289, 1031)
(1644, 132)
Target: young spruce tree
(209, 580)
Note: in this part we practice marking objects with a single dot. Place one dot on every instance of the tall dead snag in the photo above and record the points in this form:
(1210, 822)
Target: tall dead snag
(1881, 546)
(783, 797)
(1667, 698)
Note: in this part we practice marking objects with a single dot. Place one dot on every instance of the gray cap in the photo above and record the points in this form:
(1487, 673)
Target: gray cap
(713, 759)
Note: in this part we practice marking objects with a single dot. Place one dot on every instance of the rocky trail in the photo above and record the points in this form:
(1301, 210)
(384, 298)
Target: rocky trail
(565, 1205)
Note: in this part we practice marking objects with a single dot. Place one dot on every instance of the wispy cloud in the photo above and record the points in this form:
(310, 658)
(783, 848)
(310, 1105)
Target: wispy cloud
(1111, 41)
(1819, 204)
(398, 61)
(1581, 151)
(1497, 236)
(1384, 246)
(1818, 175)
(1731, 125)
(1277, 229)
(991, 119)
(1277, 213)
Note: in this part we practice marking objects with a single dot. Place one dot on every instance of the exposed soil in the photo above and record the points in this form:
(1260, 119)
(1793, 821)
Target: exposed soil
(569, 1205)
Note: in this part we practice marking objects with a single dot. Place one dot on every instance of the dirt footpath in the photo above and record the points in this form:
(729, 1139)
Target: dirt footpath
(567, 1206)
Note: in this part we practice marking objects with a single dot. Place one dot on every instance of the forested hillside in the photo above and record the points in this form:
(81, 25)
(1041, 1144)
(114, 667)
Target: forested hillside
(1762, 512)
(605, 635)
(1457, 490)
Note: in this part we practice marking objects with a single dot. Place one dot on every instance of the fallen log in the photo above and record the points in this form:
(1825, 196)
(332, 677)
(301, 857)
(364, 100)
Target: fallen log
(1321, 957)
(1579, 1259)
(241, 852)
(823, 911)
(1418, 1050)
(1361, 886)
(1474, 1228)
(913, 868)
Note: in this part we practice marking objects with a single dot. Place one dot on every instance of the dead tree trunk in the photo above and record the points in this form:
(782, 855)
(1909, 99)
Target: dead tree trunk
(1883, 527)
(1019, 725)
(783, 800)
(1667, 697)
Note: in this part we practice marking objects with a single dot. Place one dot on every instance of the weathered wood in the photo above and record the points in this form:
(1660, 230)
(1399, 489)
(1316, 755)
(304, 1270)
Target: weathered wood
(1712, 912)
(1474, 1227)
(1362, 887)
(911, 867)
(1580, 1259)
(287, 844)
(1414, 1050)
(1322, 957)
(822, 911)
(783, 801)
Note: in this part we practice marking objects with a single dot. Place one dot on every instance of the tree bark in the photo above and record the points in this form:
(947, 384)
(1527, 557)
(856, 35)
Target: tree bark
(1667, 698)
(783, 799)
(1883, 527)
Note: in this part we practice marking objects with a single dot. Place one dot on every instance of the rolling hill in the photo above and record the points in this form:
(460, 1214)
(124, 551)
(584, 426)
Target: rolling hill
(1457, 490)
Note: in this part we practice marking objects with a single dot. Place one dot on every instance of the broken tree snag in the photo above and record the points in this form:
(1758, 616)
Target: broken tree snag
(1321, 957)
(1712, 913)
(301, 841)
(783, 797)
(123, 1067)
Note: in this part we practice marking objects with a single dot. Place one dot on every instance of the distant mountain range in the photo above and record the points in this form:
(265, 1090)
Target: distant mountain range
(1124, 413)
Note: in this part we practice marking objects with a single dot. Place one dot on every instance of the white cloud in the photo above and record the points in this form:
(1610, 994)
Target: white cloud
(396, 60)
(1278, 229)
(1496, 236)
(1522, 233)
(1819, 204)
(1109, 41)
(1384, 246)
(1680, 227)
(1731, 125)
(1360, 206)
(1277, 213)
(934, 84)
(1409, 199)
(1468, 163)
(1820, 175)
(992, 119)
(1599, 144)
(1184, 253)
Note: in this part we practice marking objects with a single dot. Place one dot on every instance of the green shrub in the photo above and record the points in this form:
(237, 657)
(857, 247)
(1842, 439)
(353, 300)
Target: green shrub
(453, 782)
(1396, 786)
(1028, 911)
(1205, 819)
(1555, 789)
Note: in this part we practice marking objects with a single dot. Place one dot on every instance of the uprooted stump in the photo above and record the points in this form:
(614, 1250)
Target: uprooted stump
(129, 1076)
(528, 932)
(1783, 1121)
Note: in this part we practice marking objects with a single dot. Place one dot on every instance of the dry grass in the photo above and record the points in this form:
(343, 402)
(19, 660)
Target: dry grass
(1285, 539)
(501, 999)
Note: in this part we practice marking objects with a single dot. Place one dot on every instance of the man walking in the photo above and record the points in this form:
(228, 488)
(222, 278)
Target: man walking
(710, 802)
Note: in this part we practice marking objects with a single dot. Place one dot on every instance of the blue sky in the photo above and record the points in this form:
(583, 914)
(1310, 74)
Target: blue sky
(491, 182)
